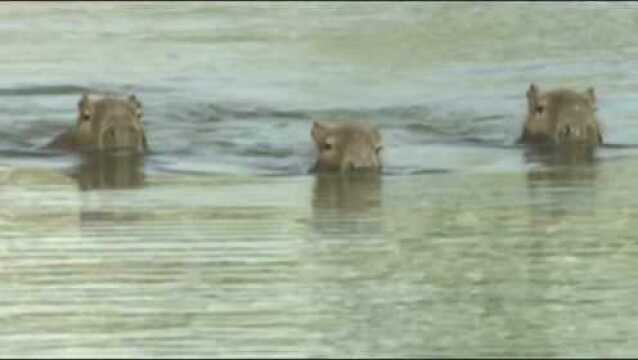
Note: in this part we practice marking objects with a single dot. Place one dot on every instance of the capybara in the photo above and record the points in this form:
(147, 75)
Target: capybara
(347, 146)
(561, 116)
(105, 123)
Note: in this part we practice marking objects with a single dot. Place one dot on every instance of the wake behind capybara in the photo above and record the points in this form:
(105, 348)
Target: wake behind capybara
(104, 123)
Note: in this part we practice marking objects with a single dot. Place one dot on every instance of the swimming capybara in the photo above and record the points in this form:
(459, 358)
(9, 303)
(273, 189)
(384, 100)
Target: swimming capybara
(347, 146)
(561, 116)
(104, 123)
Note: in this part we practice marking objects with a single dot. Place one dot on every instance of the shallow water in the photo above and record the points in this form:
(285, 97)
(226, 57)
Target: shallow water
(220, 243)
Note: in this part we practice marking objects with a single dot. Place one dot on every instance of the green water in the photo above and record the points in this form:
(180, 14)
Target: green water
(221, 244)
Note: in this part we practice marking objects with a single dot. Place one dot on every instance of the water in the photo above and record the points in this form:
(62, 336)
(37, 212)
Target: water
(220, 243)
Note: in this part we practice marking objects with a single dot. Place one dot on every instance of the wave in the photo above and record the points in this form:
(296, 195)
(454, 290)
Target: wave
(255, 139)
(67, 89)
(43, 90)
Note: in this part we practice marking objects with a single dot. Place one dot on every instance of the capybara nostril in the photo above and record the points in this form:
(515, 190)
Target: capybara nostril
(108, 138)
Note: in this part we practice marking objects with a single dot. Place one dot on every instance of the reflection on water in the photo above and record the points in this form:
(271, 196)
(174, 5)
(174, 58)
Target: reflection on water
(104, 170)
(560, 166)
(347, 203)
(349, 252)
(561, 183)
(568, 154)
(347, 193)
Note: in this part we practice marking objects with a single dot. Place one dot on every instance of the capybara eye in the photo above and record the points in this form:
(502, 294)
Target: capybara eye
(86, 117)
(327, 146)
(378, 149)
(539, 109)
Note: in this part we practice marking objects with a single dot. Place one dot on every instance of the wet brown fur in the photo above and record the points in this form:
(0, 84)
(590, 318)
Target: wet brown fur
(561, 116)
(347, 146)
(99, 118)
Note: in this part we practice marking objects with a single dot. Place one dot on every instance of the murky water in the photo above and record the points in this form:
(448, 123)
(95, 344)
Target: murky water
(220, 243)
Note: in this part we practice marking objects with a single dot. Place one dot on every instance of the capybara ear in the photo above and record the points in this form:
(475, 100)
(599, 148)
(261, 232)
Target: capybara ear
(84, 101)
(133, 99)
(84, 107)
(532, 97)
(138, 105)
(532, 92)
(319, 132)
(591, 96)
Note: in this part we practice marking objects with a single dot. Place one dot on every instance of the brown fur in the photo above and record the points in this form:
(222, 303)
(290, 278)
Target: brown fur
(561, 116)
(347, 146)
(104, 123)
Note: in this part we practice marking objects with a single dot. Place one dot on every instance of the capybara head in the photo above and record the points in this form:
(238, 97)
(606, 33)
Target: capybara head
(348, 146)
(561, 116)
(110, 123)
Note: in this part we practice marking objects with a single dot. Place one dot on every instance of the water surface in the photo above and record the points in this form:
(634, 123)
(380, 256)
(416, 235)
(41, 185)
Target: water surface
(221, 243)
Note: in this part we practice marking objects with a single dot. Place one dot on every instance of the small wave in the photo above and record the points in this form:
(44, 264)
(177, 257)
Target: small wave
(255, 112)
(619, 146)
(38, 90)
(395, 171)
(487, 143)
(43, 90)
(30, 153)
